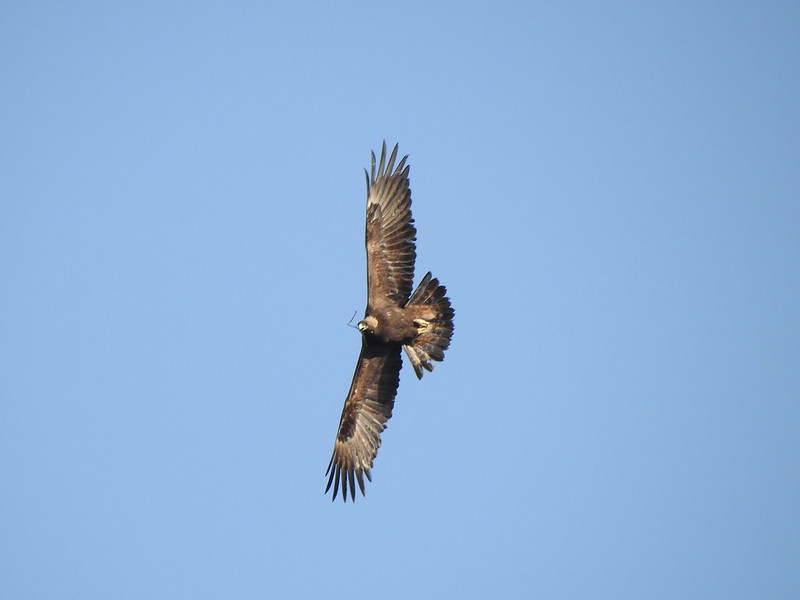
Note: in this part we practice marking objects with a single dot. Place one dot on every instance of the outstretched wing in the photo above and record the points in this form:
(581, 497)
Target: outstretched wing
(367, 408)
(390, 232)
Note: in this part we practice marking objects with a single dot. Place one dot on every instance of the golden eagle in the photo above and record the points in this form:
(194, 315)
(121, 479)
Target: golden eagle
(421, 323)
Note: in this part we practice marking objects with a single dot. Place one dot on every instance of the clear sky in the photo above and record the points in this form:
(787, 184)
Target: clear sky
(610, 192)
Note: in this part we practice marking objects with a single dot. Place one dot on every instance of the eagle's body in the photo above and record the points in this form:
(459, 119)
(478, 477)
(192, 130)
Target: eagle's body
(420, 322)
(389, 324)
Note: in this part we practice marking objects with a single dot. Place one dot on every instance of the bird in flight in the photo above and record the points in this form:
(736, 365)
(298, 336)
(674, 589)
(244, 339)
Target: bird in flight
(421, 323)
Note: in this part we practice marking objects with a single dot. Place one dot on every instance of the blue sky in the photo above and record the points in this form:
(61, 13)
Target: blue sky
(611, 194)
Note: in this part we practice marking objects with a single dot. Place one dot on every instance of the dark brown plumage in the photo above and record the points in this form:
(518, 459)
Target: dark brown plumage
(421, 323)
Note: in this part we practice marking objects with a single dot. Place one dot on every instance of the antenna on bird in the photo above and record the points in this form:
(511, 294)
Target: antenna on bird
(350, 322)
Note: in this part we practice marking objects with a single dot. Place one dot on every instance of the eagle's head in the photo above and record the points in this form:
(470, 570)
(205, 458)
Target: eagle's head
(368, 324)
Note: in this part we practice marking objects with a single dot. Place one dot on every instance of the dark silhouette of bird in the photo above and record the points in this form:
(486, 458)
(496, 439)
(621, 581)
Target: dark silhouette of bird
(421, 323)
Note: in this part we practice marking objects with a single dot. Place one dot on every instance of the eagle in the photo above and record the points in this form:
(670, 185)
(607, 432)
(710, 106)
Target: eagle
(421, 323)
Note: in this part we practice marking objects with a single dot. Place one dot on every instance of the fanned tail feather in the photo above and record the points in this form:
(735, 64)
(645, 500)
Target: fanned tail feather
(435, 329)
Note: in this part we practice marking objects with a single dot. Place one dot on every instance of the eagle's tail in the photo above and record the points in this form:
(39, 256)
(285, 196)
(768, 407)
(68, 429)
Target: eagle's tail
(434, 324)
